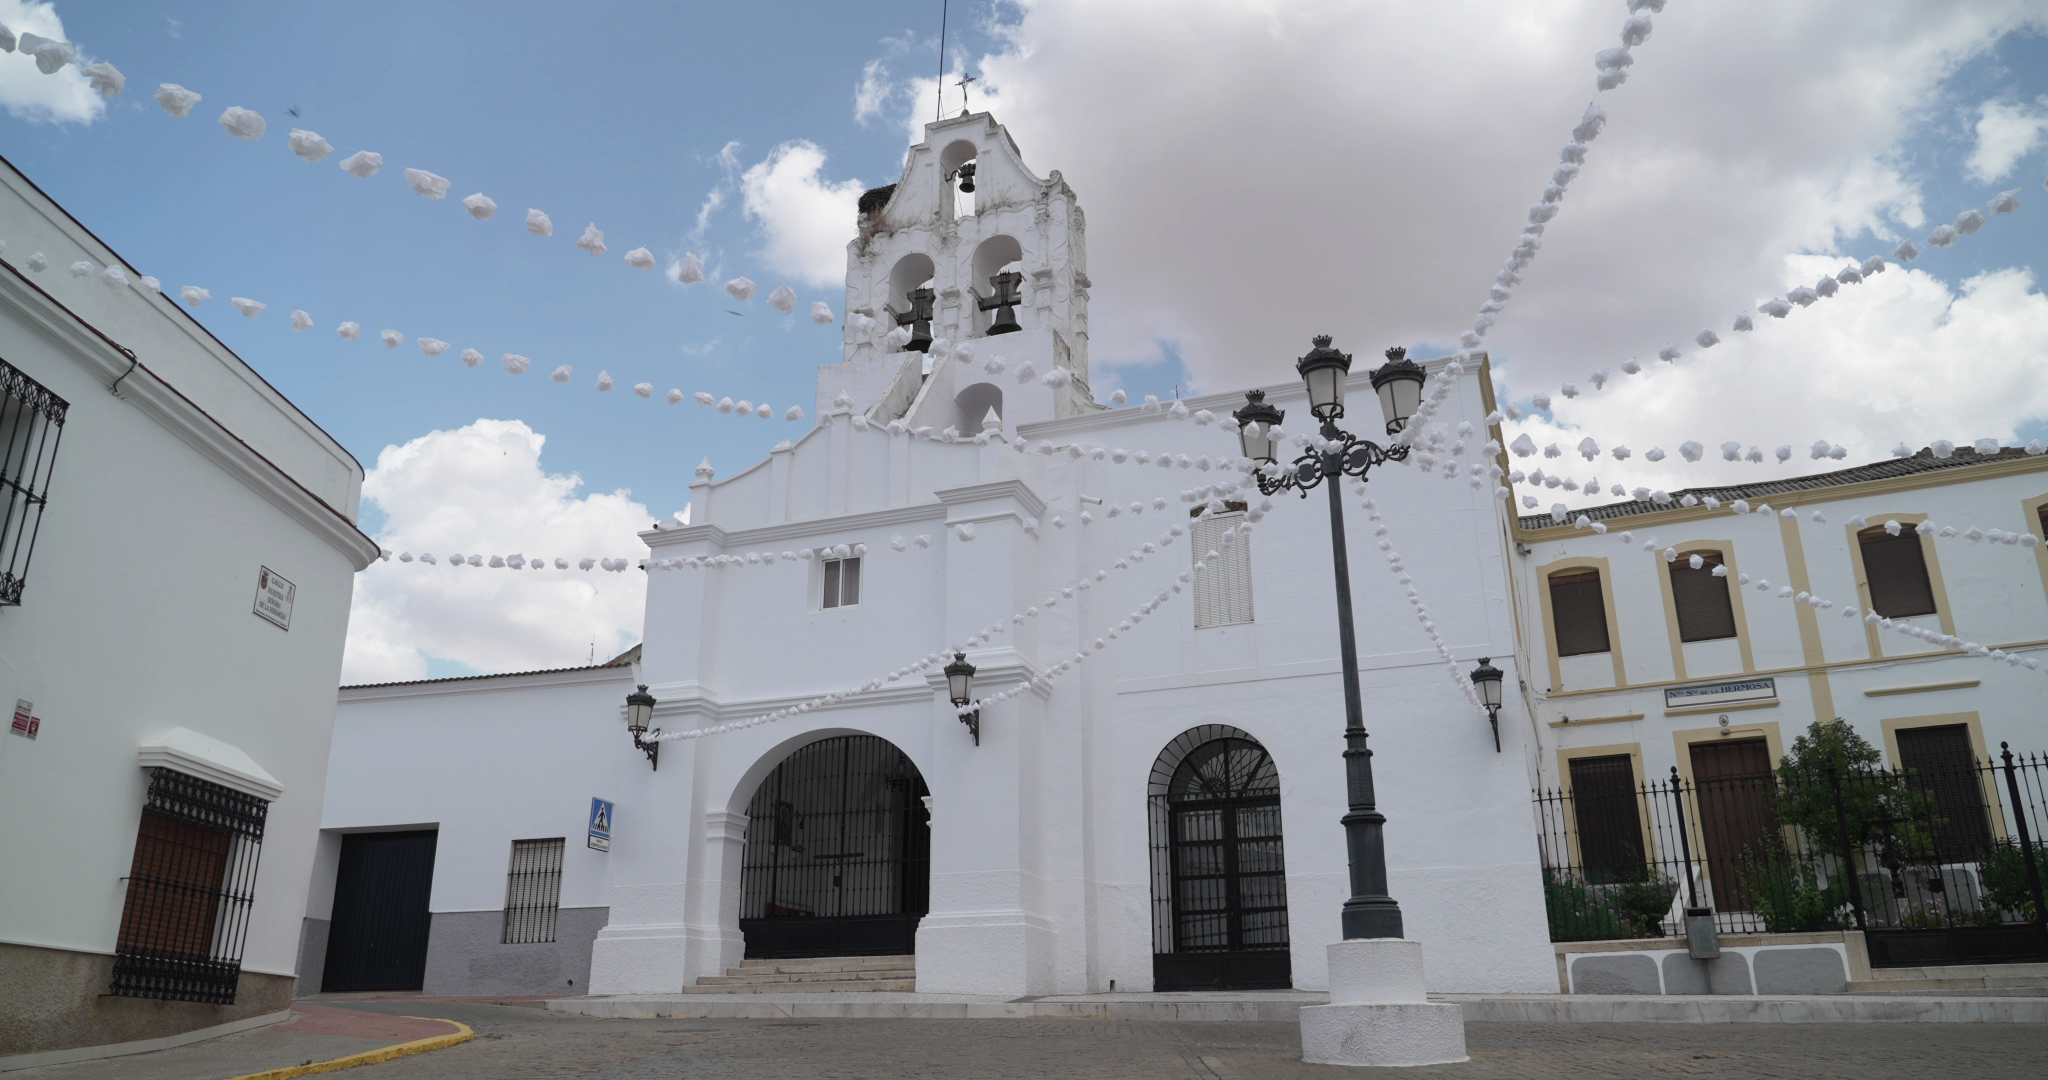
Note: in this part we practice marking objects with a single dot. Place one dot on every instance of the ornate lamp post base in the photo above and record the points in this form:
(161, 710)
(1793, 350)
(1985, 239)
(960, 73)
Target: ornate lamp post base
(1377, 1013)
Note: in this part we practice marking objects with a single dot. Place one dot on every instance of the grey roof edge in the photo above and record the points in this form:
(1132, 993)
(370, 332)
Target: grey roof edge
(624, 660)
(1922, 462)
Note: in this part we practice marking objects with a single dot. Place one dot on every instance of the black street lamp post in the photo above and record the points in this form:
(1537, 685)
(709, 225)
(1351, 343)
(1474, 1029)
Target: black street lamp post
(1370, 913)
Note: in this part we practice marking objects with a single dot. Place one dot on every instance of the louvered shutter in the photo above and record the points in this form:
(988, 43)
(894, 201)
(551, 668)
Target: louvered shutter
(1705, 612)
(1896, 568)
(1579, 612)
(1223, 592)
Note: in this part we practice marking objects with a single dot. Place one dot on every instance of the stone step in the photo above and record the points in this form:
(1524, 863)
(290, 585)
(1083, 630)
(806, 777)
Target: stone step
(2009, 974)
(757, 978)
(900, 986)
(824, 963)
(1973, 992)
(1989, 985)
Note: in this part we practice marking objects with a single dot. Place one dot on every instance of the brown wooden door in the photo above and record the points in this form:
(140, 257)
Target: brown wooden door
(1733, 792)
(1943, 764)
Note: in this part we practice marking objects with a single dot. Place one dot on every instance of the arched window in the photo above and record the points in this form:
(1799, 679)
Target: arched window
(1219, 873)
(974, 404)
(956, 171)
(911, 299)
(996, 275)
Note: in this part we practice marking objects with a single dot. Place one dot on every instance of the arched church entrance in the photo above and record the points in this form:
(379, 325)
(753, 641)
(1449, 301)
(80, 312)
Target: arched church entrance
(1219, 872)
(838, 853)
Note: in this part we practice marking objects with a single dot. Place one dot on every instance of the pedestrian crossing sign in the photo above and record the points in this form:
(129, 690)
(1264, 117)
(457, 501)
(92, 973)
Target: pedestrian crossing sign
(600, 825)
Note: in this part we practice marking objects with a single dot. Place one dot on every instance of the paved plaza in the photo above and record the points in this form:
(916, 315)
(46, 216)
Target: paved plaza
(515, 1043)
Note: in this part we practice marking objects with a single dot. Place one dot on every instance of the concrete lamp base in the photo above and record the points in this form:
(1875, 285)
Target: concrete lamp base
(1378, 1014)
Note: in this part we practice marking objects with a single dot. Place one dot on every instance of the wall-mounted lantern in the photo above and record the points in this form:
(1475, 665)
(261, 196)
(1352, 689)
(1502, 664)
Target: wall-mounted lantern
(640, 713)
(1486, 679)
(960, 685)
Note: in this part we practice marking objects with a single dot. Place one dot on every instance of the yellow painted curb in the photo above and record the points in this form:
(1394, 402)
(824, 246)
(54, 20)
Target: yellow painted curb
(370, 1057)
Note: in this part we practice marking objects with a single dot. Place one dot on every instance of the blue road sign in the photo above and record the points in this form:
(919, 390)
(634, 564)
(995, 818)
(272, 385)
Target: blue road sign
(600, 825)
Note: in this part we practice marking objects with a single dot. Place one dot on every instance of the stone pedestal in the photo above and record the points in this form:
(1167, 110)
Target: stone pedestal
(1378, 1014)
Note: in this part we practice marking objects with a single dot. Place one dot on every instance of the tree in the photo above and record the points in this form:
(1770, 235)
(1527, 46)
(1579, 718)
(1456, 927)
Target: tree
(1832, 781)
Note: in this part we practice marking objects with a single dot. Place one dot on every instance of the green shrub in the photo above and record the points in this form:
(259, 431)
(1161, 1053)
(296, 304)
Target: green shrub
(1577, 913)
(1632, 908)
(2006, 884)
(1789, 894)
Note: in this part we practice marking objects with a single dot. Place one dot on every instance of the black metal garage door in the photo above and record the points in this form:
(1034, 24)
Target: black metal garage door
(378, 940)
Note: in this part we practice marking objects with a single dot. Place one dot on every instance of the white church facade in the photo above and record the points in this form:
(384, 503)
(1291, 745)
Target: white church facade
(1155, 806)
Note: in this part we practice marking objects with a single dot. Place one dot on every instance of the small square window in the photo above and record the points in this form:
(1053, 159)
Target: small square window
(842, 582)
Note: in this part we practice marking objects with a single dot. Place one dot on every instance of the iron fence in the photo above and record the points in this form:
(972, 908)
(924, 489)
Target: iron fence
(1943, 862)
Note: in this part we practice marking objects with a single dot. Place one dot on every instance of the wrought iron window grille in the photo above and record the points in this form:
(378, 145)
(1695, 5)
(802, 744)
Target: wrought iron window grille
(533, 891)
(31, 424)
(190, 891)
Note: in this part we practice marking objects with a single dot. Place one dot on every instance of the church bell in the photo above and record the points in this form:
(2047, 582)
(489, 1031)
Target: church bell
(919, 319)
(1004, 303)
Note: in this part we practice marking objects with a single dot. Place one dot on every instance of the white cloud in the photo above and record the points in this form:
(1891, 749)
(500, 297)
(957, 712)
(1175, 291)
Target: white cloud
(872, 96)
(27, 93)
(481, 490)
(712, 201)
(2006, 132)
(1899, 358)
(1265, 172)
(805, 219)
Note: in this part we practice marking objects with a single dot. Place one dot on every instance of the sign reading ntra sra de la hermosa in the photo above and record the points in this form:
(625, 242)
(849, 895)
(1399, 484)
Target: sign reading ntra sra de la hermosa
(1720, 693)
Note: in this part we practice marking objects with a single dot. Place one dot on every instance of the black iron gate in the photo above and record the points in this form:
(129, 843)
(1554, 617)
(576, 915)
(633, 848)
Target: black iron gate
(1219, 868)
(838, 855)
(378, 940)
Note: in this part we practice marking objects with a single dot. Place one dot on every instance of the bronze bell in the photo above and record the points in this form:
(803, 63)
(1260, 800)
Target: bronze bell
(967, 178)
(1003, 303)
(919, 319)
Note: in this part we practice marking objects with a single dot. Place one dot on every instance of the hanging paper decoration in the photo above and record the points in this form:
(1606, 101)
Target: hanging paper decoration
(427, 184)
(242, 123)
(362, 163)
(309, 145)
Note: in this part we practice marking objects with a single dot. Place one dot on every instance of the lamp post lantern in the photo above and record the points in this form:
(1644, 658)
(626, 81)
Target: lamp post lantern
(1486, 679)
(640, 713)
(1370, 913)
(960, 686)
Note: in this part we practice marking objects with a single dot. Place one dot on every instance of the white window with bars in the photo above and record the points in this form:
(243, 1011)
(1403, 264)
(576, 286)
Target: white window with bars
(842, 582)
(1223, 592)
(533, 891)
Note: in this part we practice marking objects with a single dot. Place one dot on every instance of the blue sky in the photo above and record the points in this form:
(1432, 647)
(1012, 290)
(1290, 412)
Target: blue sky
(607, 113)
(1252, 175)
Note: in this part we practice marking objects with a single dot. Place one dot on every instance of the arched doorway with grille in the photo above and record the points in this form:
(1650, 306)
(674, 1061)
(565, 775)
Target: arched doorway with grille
(837, 860)
(1219, 870)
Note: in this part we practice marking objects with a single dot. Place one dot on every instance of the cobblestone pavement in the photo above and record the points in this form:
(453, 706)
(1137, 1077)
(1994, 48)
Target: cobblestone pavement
(515, 1043)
